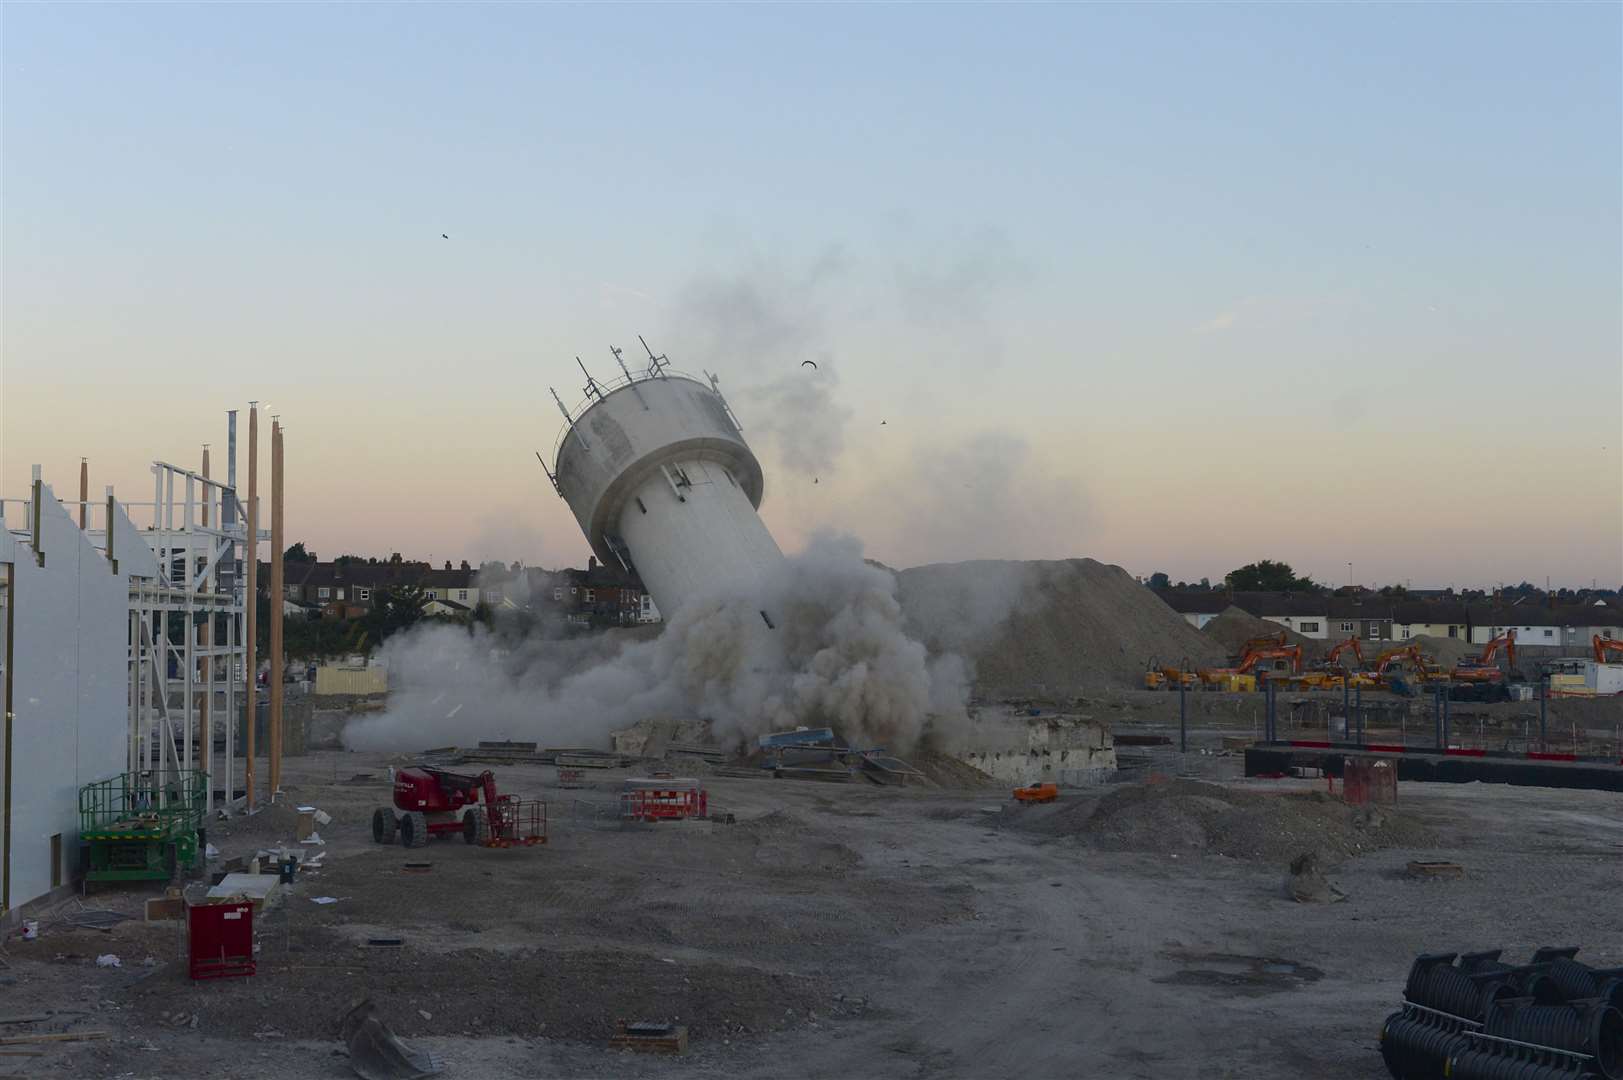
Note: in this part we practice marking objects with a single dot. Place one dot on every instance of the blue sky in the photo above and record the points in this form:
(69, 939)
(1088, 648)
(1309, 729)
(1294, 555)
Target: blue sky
(1167, 265)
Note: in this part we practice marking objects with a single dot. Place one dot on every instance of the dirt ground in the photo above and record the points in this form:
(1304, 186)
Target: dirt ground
(844, 930)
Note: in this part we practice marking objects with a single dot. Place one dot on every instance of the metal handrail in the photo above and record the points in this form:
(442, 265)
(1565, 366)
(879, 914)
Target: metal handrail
(608, 386)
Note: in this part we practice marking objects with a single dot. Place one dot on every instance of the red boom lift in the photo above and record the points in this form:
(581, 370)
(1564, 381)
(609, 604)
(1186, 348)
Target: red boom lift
(433, 802)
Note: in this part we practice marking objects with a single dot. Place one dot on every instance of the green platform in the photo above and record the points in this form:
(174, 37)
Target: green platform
(131, 828)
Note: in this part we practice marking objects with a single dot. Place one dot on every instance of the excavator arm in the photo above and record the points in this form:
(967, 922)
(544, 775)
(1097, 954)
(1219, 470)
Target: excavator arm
(1607, 650)
(1337, 650)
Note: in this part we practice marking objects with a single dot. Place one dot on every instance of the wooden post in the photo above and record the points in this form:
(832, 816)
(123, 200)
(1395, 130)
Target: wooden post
(250, 561)
(278, 539)
(205, 638)
(84, 493)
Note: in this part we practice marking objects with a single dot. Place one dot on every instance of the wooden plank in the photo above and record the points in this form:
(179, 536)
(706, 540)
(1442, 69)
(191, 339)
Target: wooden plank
(1436, 869)
(31, 1018)
(71, 1036)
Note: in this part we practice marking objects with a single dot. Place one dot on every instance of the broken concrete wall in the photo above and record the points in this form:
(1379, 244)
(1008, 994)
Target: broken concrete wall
(1069, 750)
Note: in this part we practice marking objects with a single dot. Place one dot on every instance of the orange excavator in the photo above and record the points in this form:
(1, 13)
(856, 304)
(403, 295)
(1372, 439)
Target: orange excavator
(1485, 668)
(1328, 674)
(1293, 653)
(1338, 649)
(1608, 650)
(1424, 668)
(1411, 653)
(1240, 677)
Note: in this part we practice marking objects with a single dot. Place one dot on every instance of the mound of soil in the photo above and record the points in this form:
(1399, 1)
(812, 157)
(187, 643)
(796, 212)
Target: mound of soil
(1232, 629)
(1446, 651)
(1190, 817)
(1047, 629)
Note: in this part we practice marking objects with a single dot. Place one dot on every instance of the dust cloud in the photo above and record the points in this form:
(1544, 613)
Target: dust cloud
(800, 415)
(837, 655)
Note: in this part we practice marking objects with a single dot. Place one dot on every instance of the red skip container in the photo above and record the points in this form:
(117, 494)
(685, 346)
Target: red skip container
(221, 940)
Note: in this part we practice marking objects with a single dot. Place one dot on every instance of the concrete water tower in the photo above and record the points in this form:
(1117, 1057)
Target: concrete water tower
(655, 467)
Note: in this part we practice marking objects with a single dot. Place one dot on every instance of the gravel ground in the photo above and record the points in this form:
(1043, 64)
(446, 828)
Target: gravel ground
(834, 931)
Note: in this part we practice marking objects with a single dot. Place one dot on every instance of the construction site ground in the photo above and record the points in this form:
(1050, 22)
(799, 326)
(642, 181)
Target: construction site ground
(1139, 929)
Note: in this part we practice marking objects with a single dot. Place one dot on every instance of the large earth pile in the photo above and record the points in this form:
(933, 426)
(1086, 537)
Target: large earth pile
(1445, 650)
(1047, 629)
(1232, 629)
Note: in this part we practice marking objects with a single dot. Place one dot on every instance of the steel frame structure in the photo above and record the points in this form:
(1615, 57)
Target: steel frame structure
(181, 690)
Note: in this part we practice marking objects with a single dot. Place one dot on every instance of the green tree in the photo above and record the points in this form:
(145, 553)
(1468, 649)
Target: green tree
(296, 553)
(1268, 576)
(396, 608)
(1160, 580)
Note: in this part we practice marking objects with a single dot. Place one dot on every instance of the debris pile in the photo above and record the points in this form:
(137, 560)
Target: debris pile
(1047, 629)
(1190, 817)
(1236, 626)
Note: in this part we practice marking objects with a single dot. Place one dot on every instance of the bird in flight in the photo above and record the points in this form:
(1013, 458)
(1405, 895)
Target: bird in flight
(444, 237)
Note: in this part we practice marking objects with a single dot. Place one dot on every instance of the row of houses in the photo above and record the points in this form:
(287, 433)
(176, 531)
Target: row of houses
(349, 589)
(1372, 617)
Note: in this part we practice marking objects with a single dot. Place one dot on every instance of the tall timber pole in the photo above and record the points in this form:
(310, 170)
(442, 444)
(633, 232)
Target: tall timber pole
(250, 563)
(278, 542)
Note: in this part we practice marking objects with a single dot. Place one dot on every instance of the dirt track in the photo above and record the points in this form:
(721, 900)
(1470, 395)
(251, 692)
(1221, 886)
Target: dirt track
(833, 931)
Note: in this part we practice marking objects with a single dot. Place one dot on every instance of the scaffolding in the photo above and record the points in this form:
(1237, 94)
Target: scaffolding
(187, 645)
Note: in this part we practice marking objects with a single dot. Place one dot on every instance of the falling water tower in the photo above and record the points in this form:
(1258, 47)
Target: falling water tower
(655, 467)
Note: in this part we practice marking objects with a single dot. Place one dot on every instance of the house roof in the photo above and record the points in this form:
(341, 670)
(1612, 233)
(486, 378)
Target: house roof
(1204, 602)
(447, 579)
(1274, 604)
(1422, 611)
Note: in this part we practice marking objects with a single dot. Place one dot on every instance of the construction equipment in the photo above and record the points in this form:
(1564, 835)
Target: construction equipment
(1244, 676)
(1339, 648)
(1154, 677)
(135, 828)
(1166, 677)
(1036, 793)
(432, 802)
(1293, 653)
(1608, 650)
(1485, 668)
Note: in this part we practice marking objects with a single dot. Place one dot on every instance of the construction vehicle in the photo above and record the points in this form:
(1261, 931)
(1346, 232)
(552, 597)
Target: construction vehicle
(1244, 675)
(1485, 668)
(431, 802)
(1036, 793)
(133, 827)
(1607, 650)
(1336, 651)
(1328, 673)
(1166, 677)
(1154, 677)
